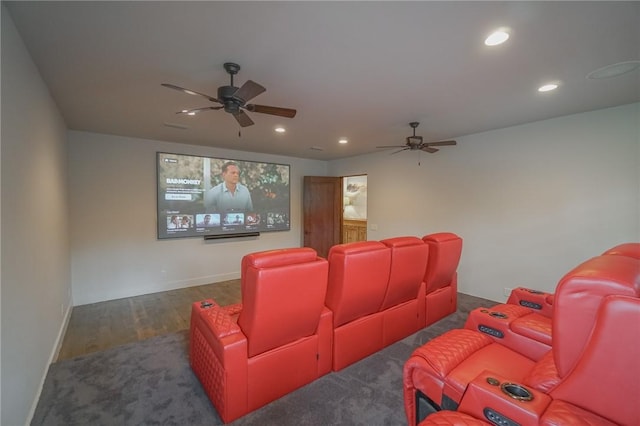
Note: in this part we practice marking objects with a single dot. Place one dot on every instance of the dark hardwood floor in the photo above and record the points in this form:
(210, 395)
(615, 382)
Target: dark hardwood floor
(103, 325)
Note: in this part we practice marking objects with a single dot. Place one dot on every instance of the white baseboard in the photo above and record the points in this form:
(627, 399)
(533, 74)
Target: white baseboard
(85, 299)
(52, 358)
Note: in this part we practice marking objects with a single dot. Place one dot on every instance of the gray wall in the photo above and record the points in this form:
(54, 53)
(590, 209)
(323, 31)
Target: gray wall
(530, 202)
(115, 251)
(35, 260)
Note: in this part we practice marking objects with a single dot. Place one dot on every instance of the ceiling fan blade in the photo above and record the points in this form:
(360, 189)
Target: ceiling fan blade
(395, 152)
(443, 143)
(390, 146)
(249, 90)
(243, 119)
(190, 92)
(264, 109)
(197, 110)
(429, 150)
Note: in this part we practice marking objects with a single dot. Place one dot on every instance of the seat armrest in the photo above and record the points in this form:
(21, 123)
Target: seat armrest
(486, 399)
(218, 356)
(219, 329)
(540, 301)
(499, 323)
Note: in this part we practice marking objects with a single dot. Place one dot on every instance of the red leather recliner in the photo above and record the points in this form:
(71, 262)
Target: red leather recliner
(600, 389)
(442, 369)
(358, 277)
(542, 302)
(441, 277)
(403, 306)
(528, 327)
(276, 341)
(626, 249)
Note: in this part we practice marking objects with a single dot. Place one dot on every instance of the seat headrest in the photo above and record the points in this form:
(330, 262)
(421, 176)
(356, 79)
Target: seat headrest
(357, 247)
(279, 257)
(626, 249)
(578, 297)
(440, 237)
(402, 242)
(445, 249)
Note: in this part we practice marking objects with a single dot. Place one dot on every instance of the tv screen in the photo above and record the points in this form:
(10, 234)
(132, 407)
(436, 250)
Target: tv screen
(218, 197)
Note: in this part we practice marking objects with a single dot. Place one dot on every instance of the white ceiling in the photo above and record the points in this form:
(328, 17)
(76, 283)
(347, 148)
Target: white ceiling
(361, 70)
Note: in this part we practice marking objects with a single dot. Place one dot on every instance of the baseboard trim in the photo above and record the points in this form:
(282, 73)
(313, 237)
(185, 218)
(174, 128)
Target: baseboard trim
(52, 358)
(160, 287)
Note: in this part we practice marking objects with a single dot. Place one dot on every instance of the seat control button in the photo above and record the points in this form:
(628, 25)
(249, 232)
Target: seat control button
(531, 305)
(491, 331)
(497, 418)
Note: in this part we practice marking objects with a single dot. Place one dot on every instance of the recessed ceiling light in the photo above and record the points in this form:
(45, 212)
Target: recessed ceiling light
(191, 113)
(343, 140)
(496, 38)
(548, 87)
(614, 70)
(189, 92)
(280, 129)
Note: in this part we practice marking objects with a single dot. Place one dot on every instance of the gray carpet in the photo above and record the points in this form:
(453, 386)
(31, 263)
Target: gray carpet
(151, 383)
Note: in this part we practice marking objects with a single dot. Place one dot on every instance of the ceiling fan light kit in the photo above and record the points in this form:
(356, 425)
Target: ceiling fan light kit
(234, 100)
(416, 143)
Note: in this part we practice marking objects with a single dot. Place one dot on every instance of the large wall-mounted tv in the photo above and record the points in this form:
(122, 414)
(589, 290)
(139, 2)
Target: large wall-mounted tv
(218, 197)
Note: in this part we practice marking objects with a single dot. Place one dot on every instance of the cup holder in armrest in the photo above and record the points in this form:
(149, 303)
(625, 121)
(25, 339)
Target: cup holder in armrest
(495, 314)
(516, 391)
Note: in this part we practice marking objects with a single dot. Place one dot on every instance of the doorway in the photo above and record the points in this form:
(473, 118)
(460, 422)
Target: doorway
(334, 211)
(354, 208)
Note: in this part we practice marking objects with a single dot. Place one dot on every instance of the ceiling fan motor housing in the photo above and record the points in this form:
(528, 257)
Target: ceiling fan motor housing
(225, 94)
(414, 141)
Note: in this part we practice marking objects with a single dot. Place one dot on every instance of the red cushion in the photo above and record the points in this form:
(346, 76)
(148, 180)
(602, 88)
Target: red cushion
(560, 413)
(409, 257)
(578, 297)
(451, 418)
(358, 276)
(534, 326)
(627, 249)
(445, 249)
(606, 378)
(281, 302)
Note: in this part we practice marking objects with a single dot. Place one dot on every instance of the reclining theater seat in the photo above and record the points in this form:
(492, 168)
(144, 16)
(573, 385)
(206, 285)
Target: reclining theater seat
(528, 331)
(441, 369)
(279, 341)
(542, 302)
(358, 276)
(601, 389)
(403, 307)
(441, 278)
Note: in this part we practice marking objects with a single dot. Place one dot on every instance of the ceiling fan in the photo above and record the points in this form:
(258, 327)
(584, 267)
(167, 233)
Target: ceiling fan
(415, 143)
(234, 100)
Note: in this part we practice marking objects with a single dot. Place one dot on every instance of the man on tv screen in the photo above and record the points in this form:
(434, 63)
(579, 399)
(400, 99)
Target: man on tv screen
(230, 194)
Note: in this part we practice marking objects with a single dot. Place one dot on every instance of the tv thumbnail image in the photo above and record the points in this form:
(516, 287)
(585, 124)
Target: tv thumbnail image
(252, 219)
(233, 219)
(277, 219)
(176, 222)
(207, 220)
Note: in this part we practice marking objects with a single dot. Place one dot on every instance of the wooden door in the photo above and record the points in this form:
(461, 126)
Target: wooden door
(322, 211)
